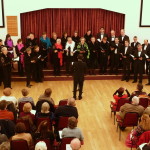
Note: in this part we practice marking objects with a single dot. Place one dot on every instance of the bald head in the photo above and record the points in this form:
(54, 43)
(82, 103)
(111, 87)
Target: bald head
(71, 102)
(75, 144)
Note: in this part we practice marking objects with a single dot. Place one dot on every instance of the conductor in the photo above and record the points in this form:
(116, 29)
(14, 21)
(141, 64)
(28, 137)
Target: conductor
(79, 70)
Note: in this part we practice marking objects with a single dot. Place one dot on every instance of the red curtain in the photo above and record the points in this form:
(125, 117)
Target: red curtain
(70, 20)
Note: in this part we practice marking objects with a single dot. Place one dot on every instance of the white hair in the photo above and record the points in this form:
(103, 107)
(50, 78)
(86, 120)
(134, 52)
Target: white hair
(75, 144)
(4, 48)
(58, 40)
(135, 100)
(41, 146)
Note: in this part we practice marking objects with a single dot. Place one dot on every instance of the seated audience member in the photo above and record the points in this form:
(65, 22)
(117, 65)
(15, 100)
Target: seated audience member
(139, 91)
(25, 97)
(143, 126)
(3, 138)
(4, 113)
(40, 146)
(133, 107)
(47, 96)
(5, 146)
(72, 130)
(120, 94)
(20, 130)
(43, 132)
(144, 146)
(7, 96)
(45, 111)
(68, 110)
(75, 144)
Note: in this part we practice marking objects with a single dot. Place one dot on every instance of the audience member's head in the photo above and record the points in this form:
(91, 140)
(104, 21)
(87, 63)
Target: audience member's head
(7, 92)
(75, 144)
(40, 146)
(135, 100)
(5, 146)
(120, 90)
(24, 92)
(71, 102)
(27, 107)
(3, 138)
(140, 87)
(48, 92)
(72, 122)
(145, 122)
(3, 105)
(20, 128)
(45, 107)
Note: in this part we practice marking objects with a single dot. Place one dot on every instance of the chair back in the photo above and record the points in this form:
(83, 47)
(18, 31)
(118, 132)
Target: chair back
(121, 102)
(47, 141)
(19, 145)
(65, 141)
(62, 122)
(39, 120)
(130, 119)
(26, 123)
(143, 102)
(144, 138)
(63, 102)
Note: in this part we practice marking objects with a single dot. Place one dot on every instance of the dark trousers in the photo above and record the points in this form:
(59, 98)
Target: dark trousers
(56, 64)
(148, 72)
(114, 63)
(126, 69)
(77, 83)
(1, 76)
(138, 69)
(28, 75)
(69, 60)
(103, 62)
(7, 77)
(20, 68)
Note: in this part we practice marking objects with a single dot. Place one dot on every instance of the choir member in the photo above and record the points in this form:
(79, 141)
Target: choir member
(64, 39)
(88, 36)
(20, 53)
(126, 52)
(104, 52)
(148, 61)
(79, 70)
(28, 66)
(1, 77)
(146, 49)
(76, 38)
(112, 36)
(82, 48)
(31, 41)
(115, 50)
(94, 47)
(45, 47)
(139, 59)
(123, 37)
(57, 57)
(9, 44)
(101, 34)
(69, 52)
(54, 38)
(5, 62)
(38, 64)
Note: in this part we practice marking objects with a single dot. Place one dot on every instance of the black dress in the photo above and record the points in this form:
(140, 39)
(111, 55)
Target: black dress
(87, 38)
(1, 75)
(76, 39)
(31, 43)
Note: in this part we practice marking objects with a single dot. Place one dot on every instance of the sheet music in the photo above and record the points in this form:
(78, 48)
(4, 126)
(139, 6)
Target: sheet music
(131, 55)
(33, 112)
(16, 59)
(60, 134)
(68, 147)
(146, 56)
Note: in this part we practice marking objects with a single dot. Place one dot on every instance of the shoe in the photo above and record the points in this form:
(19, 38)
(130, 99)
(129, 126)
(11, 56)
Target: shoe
(80, 97)
(134, 81)
(147, 84)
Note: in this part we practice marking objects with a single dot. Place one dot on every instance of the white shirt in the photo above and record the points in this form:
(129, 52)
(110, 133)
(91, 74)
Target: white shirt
(71, 45)
(126, 48)
(112, 38)
(134, 44)
(145, 47)
(122, 38)
(102, 35)
(139, 53)
(116, 49)
(10, 99)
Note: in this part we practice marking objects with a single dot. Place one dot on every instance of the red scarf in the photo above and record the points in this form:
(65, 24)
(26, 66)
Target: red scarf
(60, 54)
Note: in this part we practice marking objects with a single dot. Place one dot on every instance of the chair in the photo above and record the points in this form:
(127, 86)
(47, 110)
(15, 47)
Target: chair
(47, 141)
(116, 108)
(65, 141)
(39, 120)
(63, 102)
(144, 138)
(26, 123)
(19, 145)
(130, 120)
(62, 123)
(143, 102)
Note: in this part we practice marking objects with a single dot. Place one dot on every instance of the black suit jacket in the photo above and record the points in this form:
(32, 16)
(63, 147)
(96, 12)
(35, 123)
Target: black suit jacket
(126, 38)
(134, 48)
(118, 47)
(99, 36)
(111, 40)
(128, 52)
(147, 49)
(138, 61)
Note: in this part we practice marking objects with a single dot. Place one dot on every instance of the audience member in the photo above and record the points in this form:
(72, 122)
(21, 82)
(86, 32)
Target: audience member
(25, 97)
(7, 96)
(4, 113)
(3, 138)
(5, 146)
(72, 130)
(40, 146)
(75, 144)
(133, 107)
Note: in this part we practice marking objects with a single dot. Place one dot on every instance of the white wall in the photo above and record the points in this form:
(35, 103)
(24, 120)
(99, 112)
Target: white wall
(129, 7)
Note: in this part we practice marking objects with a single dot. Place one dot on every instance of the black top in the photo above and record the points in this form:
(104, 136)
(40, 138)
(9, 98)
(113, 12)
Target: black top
(99, 35)
(94, 48)
(66, 111)
(5, 61)
(126, 38)
(27, 59)
(76, 39)
(104, 47)
(87, 37)
(31, 43)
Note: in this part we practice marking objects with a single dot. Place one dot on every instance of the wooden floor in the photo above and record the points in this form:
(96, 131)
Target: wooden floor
(94, 110)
